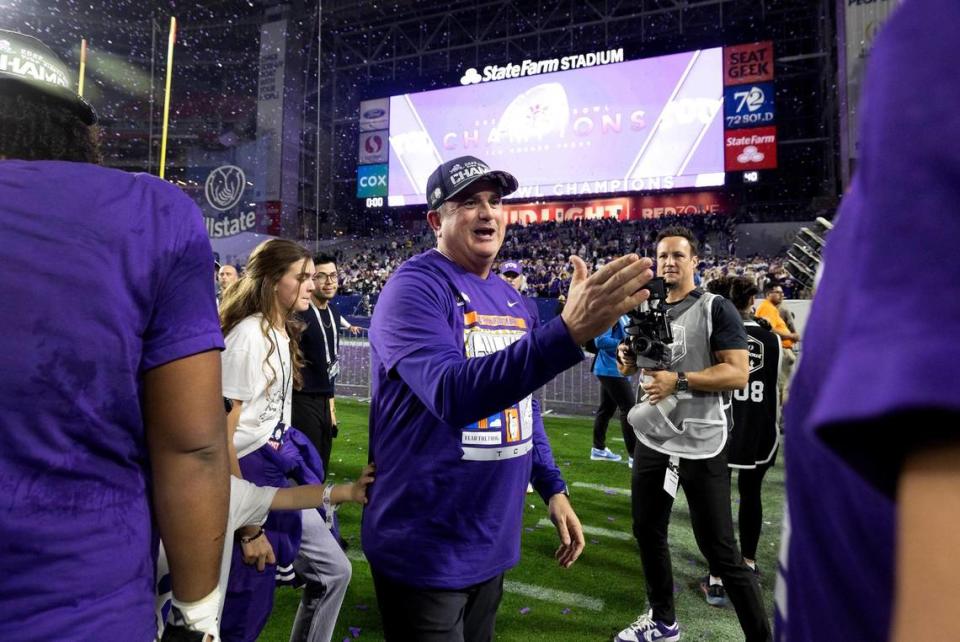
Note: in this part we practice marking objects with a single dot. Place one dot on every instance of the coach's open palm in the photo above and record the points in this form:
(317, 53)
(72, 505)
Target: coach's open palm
(595, 301)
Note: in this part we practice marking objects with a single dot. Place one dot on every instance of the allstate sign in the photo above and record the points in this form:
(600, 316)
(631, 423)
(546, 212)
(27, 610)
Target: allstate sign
(224, 187)
(223, 191)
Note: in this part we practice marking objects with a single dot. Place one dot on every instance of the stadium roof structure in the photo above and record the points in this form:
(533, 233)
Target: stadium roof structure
(359, 49)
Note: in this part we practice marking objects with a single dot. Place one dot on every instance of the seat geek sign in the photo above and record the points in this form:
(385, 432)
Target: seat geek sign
(751, 63)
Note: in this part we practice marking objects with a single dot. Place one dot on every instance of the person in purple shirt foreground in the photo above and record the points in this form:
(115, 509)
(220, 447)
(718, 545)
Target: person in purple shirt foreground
(872, 450)
(109, 379)
(453, 429)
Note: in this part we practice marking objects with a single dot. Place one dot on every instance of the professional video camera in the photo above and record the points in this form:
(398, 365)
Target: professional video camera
(648, 334)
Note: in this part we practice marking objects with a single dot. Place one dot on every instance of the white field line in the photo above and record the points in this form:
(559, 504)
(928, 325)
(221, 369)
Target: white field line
(602, 488)
(595, 530)
(574, 600)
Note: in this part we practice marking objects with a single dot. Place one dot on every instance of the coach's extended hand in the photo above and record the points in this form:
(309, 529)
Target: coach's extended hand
(595, 301)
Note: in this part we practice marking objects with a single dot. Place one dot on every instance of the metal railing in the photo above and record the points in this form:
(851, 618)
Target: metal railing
(573, 392)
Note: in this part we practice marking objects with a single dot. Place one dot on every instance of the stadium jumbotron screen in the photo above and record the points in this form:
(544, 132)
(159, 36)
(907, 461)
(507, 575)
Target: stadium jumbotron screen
(641, 125)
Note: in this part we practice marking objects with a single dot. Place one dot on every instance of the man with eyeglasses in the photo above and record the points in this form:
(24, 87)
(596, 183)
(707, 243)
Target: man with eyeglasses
(313, 409)
(454, 430)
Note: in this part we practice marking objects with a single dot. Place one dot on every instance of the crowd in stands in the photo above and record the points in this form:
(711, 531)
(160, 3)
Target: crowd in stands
(544, 250)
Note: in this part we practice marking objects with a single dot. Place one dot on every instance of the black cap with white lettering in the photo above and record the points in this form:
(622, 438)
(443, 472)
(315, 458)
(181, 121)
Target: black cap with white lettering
(30, 63)
(455, 175)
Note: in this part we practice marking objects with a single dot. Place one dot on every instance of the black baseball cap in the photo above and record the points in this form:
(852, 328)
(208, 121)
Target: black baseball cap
(30, 63)
(455, 175)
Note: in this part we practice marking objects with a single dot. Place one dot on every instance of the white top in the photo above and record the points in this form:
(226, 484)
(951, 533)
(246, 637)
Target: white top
(249, 506)
(246, 375)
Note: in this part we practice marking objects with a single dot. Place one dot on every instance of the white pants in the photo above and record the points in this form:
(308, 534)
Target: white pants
(327, 571)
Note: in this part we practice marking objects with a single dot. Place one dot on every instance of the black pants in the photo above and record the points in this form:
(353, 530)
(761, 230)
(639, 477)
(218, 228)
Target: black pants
(706, 484)
(750, 515)
(310, 413)
(750, 518)
(615, 393)
(438, 615)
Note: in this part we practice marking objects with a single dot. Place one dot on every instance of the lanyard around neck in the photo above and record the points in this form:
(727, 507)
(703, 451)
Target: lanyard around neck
(323, 333)
(283, 373)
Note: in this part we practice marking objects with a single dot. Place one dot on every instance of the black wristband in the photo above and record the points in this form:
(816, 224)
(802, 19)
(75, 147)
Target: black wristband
(247, 540)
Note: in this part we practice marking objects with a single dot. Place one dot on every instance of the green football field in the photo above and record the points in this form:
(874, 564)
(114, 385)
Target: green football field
(594, 599)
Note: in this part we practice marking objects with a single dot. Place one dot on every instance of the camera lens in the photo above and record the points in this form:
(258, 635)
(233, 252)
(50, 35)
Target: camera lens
(641, 346)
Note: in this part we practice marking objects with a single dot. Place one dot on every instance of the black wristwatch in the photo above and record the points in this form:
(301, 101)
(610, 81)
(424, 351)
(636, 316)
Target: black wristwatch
(682, 384)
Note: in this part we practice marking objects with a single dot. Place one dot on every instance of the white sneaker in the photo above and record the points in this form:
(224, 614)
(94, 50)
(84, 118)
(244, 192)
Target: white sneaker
(646, 629)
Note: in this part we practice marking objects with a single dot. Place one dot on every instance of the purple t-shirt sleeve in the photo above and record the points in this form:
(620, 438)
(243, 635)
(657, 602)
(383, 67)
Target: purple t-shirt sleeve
(878, 341)
(893, 335)
(545, 476)
(184, 319)
(424, 347)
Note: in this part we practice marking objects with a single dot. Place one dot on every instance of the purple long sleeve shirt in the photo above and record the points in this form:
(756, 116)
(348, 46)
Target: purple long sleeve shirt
(454, 431)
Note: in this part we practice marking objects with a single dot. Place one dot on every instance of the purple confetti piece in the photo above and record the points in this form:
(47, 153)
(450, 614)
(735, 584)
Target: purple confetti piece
(362, 607)
(565, 612)
(524, 610)
(676, 589)
(346, 640)
(594, 541)
(355, 631)
(610, 491)
(528, 529)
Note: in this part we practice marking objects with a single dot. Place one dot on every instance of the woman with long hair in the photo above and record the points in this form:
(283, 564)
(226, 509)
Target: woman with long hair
(261, 366)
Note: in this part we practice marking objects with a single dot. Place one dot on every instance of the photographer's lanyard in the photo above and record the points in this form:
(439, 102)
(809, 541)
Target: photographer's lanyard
(280, 428)
(326, 345)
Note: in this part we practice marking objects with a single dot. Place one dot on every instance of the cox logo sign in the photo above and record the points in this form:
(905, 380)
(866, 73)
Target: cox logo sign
(372, 180)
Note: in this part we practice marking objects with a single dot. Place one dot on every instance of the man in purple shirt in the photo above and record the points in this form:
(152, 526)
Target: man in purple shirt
(453, 428)
(109, 378)
(872, 450)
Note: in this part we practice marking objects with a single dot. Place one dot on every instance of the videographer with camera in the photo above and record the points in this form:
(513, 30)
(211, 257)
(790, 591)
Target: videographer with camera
(692, 350)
